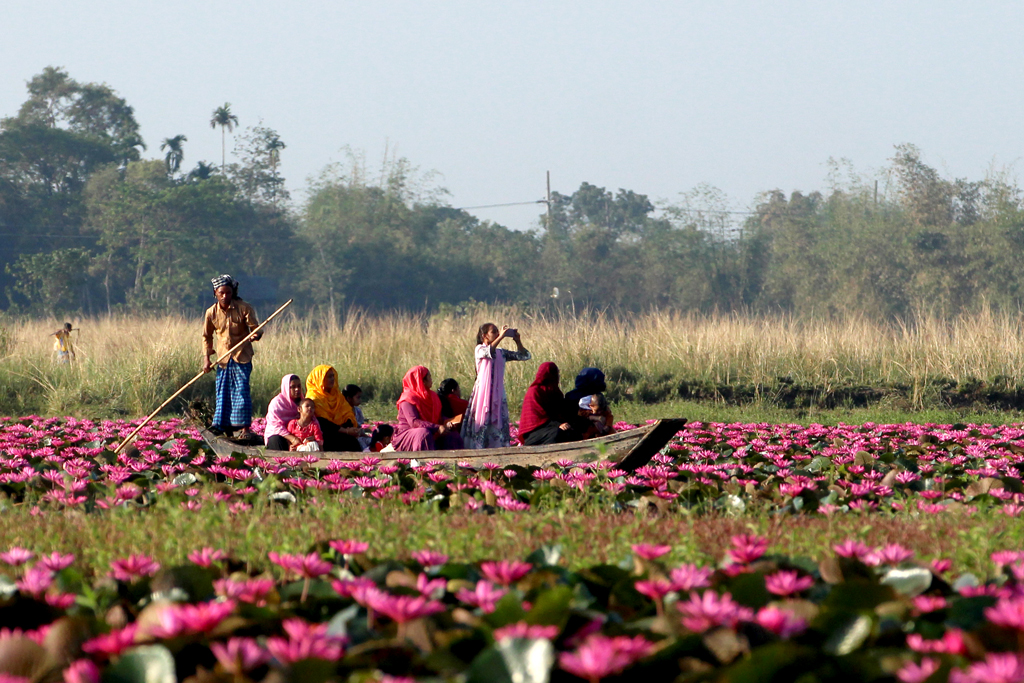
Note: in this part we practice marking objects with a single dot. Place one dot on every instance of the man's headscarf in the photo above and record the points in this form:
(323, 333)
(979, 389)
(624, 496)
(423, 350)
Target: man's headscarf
(222, 280)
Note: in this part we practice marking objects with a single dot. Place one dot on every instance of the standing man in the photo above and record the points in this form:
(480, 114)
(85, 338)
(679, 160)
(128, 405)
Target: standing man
(231, 320)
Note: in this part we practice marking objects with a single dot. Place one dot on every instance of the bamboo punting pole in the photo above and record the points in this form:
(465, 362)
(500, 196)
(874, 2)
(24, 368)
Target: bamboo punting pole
(198, 377)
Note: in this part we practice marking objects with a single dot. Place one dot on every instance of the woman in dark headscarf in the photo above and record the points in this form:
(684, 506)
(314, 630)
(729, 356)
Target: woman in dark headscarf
(544, 418)
(590, 381)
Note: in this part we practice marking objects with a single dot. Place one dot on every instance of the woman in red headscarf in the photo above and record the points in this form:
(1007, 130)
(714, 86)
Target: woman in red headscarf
(420, 426)
(542, 420)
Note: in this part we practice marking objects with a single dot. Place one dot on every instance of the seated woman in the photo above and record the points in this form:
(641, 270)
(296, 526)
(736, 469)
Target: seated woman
(590, 381)
(452, 403)
(283, 409)
(544, 418)
(333, 412)
(420, 426)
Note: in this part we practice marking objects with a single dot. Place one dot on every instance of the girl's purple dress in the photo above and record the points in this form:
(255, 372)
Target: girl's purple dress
(414, 434)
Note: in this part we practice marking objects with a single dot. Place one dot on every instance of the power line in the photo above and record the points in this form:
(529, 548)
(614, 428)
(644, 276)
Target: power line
(494, 206)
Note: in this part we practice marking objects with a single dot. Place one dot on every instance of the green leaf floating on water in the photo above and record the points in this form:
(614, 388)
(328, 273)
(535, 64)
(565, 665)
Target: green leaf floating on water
(514, 660)
(145, 664)
(911, 581)
(849, 636)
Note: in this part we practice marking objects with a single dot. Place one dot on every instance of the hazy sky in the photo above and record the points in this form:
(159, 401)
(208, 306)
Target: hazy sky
(656, 97)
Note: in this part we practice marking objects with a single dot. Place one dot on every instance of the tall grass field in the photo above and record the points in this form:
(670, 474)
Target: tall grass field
(126, 366)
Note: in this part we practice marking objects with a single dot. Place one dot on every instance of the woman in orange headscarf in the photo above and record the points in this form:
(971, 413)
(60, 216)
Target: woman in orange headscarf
(420, 424)
(335, 415)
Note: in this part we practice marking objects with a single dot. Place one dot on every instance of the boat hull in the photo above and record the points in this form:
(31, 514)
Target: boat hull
(627, 449)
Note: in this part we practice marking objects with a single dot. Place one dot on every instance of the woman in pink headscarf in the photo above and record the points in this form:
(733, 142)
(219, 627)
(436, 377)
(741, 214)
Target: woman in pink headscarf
(420, 426)
(283, 409)
(486, 424)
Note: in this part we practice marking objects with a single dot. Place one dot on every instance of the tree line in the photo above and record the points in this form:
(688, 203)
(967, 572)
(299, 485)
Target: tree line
(88, 225)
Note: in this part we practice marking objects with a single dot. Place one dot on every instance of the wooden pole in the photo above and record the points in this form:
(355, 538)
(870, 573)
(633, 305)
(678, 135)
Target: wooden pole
(198, 377)
(548, 201)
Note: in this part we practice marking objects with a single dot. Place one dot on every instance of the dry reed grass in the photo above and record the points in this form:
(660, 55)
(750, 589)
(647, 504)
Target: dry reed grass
(128, 365)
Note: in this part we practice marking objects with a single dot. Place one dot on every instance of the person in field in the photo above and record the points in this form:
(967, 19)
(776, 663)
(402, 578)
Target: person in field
(486, 423)
(544, 419)
(63, 346)
(225, 324)
(421, 426)
(335, 416)
(306, 429)
(452, 403)
(283, 409)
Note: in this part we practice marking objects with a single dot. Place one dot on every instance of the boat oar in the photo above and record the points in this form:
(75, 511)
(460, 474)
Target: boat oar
(198, 377)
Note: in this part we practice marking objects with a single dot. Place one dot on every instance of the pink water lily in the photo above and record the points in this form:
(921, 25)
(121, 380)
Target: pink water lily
(687, 577)
(179, 620)
(35, 581)
(781, 622)
(82, 671)
(308, 566)
(254, 591)
(133, 568)
(113, 643)
(918, 673)
(56, 562)
(485, 596)
(205, 557)
(505, 573)
(708, 610)
(349, 547)
(404, 608)
(786, 582)
(650, 552)
(429, 558)
(431, 588)
(16, 556)
(747, 548)
(655, 589)
(239, 655)
(1005, 667)
(600, 656)
(305, 641)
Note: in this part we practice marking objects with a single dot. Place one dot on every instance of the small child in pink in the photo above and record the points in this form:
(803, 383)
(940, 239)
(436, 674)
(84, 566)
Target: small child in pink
(306, 428)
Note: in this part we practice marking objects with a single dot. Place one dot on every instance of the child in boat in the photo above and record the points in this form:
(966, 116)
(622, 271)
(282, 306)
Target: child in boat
(354, 395)
(306, 429)
(452, 403)
(595, 409)
(486, 424)
(381, 438)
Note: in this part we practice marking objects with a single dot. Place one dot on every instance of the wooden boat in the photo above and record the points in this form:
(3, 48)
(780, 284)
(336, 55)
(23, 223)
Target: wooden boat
(628, 449)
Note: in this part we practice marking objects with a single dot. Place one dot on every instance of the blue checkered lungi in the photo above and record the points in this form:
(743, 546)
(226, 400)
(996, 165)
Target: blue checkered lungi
(234, 403)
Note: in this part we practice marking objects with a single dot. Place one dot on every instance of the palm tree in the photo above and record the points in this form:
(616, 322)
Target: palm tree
(175, 154)
(274, 145)
(227, 121)
(202, 171)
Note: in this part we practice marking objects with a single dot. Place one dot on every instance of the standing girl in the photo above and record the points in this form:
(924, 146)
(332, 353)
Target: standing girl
(486, 423)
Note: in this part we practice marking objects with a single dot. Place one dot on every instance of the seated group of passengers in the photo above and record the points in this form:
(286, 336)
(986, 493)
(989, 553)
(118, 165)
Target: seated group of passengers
(328, 418)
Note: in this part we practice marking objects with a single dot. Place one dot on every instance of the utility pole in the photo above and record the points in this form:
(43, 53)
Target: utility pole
(548, 201)
(876, 193)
